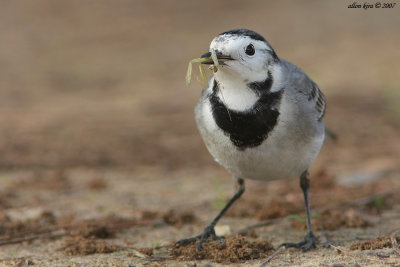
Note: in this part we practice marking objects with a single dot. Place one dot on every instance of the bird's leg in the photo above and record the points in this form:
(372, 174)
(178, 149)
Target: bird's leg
(310, 239)
(209, 230)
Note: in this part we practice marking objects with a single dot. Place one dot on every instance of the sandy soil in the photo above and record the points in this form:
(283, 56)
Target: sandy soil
(101, 163)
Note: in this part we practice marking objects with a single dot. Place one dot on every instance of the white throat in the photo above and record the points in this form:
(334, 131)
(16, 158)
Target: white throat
(234, 93)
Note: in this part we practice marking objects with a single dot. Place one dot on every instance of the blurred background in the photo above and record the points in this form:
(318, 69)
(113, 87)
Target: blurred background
(96, 90)
(100, 84)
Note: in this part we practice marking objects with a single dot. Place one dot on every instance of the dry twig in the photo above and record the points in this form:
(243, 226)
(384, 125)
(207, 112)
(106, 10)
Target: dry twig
(342, 250)
(64, 230)
(270, 258)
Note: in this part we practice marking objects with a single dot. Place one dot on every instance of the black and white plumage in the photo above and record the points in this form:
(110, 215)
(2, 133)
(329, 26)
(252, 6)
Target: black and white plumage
(260, 117)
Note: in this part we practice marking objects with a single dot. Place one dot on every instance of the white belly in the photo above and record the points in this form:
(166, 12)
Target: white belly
(286, 153)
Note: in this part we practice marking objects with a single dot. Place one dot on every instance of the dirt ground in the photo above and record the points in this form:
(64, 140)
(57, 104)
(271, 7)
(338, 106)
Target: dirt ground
(101, 163)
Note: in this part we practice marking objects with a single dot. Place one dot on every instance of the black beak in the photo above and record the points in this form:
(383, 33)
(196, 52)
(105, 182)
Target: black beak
(221, 58)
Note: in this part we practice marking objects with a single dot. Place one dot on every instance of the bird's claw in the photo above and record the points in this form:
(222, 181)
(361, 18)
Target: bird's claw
(208, 232)
(309, 242)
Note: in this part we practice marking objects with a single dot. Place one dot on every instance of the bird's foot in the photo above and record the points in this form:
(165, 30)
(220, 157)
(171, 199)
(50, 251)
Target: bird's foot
(208, 232)
(309, 242)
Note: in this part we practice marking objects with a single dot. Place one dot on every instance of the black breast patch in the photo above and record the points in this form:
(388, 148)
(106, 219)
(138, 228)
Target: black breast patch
(251, 127)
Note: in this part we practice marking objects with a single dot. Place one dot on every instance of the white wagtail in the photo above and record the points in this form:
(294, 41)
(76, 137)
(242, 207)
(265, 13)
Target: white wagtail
(260, 118)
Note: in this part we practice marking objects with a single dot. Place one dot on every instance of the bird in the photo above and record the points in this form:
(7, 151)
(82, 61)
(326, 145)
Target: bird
(260, 118)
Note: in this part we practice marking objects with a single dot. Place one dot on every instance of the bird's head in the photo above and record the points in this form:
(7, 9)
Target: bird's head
(242, 54)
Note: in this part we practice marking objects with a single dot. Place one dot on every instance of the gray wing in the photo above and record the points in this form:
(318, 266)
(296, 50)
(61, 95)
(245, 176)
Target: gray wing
(304, 85)
(315, 95)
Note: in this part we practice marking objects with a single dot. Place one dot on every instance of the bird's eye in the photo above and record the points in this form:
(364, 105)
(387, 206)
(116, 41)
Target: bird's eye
(250, 50)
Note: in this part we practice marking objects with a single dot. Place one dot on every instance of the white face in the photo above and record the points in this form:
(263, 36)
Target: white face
(252, 59)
